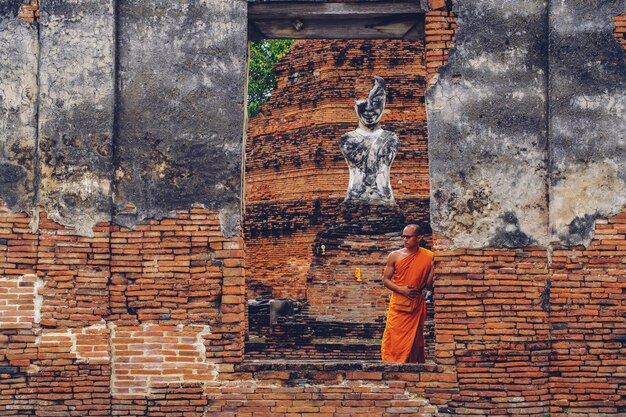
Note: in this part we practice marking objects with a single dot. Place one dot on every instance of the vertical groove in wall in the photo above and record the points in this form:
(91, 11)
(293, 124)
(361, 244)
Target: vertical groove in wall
(114, 155)
(546, 294)
(37, 170)
(548, 127)
(244, 135)
(116, 108)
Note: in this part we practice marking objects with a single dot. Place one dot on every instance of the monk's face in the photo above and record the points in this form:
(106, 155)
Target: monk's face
(410, 238)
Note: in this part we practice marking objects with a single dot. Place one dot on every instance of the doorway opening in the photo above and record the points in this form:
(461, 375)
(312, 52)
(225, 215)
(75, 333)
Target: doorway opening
(314, 263)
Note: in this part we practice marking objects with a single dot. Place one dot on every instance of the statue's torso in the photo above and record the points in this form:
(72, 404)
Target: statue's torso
(369, 157)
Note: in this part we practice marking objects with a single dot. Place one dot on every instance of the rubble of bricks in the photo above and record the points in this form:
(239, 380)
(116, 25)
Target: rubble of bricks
(29, 12)
(620, 30)
(296, 180)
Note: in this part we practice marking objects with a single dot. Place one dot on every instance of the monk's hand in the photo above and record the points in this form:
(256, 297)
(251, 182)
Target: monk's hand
(414, 292)
(410, 292)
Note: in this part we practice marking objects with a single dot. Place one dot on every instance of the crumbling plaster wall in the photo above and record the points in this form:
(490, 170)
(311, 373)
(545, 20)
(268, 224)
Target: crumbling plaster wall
(181, 90)
(76, 104)
(587, 118)
(526, 126)
(18, 103)
(137, 111)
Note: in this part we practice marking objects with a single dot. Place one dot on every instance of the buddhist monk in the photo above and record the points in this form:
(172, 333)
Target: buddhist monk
(408, 272)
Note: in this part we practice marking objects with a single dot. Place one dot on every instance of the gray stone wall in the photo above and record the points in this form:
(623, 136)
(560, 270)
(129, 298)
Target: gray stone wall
(487, 128)
(138, 111)
(181, 99)
(587, 118)
(18, 108)
(76, 107)
(526, 124)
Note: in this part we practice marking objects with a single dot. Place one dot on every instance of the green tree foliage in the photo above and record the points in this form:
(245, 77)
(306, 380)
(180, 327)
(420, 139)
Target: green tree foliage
(261, 78)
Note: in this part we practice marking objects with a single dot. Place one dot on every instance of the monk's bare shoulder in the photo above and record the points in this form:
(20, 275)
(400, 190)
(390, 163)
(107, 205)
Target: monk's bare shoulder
(396, 255)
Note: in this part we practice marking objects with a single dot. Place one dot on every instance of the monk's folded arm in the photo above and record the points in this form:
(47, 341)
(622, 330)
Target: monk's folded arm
(389, 284)
(387, 279)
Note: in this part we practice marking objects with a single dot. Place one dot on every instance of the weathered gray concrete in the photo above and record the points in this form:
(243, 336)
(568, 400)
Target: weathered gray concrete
(487, 121)
(19, 51)
(526, 138)
(181, 80)
(140, 105)
(76, 111)
(587, 118)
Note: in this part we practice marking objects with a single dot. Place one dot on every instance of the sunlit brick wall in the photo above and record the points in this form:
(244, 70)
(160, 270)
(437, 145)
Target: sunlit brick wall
(91, 325)
(535, 331)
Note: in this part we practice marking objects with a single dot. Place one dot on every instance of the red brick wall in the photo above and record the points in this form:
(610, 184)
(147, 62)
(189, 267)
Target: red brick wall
(528, 331)
(536, 331)
(89, 325)
(588, 300)
(157, 354)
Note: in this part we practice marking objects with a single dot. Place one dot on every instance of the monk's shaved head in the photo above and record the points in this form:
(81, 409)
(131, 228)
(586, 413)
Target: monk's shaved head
(413, 229)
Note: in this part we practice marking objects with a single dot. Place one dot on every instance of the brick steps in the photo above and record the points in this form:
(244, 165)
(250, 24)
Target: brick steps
(334, 365)
(319, 349)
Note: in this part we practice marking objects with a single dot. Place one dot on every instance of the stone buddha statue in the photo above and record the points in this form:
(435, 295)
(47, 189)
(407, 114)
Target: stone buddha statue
(370, 151)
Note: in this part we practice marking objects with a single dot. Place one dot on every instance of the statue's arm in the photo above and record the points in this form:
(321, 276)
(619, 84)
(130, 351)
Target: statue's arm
(389, 149)
(345, 144)
(351, 148)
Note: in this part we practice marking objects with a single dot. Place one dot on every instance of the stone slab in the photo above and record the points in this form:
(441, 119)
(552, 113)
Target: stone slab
(181, 108)
(76, 111)
(19, 52)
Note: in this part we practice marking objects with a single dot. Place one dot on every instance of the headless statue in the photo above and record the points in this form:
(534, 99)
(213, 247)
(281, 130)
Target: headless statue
(370, 151)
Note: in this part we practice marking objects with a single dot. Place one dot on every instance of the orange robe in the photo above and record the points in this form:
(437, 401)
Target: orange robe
(403, 340)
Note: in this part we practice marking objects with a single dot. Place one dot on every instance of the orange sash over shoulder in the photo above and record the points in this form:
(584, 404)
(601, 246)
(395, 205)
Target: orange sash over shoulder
(403, 340)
